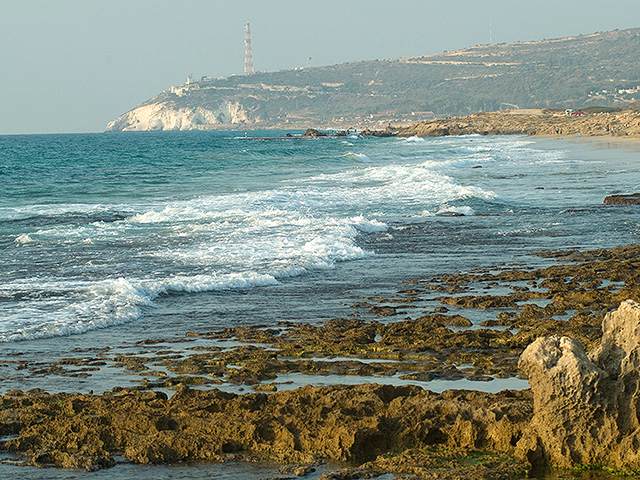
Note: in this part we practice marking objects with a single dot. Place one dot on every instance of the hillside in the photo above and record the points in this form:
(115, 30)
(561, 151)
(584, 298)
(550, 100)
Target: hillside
(597, 69)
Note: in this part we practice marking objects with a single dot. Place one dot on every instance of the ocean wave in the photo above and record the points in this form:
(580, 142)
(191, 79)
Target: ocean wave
(247, 248)
(414, 140)
(23, 239)
(65, 214)
(358, 157)
(93, 266)
(68, 308)
(460, 210)
(397, 187)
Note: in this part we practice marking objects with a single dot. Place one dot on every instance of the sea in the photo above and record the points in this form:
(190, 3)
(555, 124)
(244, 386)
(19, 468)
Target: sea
(114, 238)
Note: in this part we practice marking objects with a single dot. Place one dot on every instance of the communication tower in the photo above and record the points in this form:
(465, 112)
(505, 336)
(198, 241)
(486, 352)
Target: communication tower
(248, 54)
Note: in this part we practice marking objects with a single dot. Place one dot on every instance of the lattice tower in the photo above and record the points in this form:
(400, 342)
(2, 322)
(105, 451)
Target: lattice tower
(248, 54)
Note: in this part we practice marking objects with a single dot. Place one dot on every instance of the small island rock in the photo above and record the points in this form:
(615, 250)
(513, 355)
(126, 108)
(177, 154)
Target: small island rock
(633, 199)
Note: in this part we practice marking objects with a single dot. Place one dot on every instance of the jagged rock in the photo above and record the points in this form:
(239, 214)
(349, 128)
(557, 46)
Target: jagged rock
(633, 199)
(312, 132)
(586, 407)
(344, 423)
(377, 133)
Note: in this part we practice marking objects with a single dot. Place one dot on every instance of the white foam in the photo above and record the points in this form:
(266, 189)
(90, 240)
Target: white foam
(463, 210)
(358, 157)
(23, 239)
(362, 158)
(114, 270)
(101, 304)
(368, 226)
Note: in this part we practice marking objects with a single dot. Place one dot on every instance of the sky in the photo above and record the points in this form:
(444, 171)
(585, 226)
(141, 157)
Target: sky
(70, 66)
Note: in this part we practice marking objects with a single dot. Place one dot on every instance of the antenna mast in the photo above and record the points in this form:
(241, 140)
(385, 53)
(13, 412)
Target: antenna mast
(248, 54)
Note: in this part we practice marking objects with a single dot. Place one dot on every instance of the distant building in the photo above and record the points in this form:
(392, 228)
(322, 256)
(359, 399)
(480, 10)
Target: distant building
(385, 113)
(427, 114)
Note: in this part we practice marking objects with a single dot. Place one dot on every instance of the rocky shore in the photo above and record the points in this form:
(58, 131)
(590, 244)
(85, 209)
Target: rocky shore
(422, 333)
(528, 122)
(359, 425)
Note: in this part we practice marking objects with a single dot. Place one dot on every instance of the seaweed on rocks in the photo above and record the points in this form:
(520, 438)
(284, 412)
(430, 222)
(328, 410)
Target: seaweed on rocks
(471, 325)
(343, 423)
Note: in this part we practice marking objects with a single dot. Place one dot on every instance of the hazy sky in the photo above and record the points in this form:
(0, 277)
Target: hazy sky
(74, 65)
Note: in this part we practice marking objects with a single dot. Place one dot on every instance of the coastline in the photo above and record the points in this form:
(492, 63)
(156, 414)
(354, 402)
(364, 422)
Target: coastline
(542, 122)
(310, 425)
(631, 142)
(326, 350)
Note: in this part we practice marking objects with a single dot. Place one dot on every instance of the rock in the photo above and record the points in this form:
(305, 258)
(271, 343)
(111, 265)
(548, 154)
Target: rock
(527, 122)
(297, 470)
(377, 133)
(633, 199)
(382, 311)
(342, 423)
(312, 132)
(586, 407)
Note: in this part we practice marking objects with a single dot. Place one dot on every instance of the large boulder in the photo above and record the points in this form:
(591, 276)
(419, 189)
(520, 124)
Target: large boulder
(587, 407)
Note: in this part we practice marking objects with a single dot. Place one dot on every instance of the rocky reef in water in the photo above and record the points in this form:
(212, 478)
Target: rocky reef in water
(356, 424)
(581, 410)
(632, 199)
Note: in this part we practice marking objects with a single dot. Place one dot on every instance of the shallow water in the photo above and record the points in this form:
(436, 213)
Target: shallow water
(126, 471)
(106, 240)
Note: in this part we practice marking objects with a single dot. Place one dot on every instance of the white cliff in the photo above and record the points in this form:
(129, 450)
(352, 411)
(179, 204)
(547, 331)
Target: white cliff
(162, 116)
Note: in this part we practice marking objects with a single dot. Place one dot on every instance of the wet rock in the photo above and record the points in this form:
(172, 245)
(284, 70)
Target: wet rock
(450, 464)
(269, 387)
(633, 199)
(312, 132)
(377, 133)
(382, 311)
(351, 474)
(344, 423)
(297, 470)
(69, 460)
(586, 406)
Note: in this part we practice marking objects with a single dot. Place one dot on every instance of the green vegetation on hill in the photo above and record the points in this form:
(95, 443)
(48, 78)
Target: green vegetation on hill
(601, 69)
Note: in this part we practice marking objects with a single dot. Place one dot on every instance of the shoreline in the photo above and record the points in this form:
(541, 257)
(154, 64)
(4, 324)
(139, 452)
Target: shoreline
(418, 330)
(541, 122)
(630, 142)
(48, 428)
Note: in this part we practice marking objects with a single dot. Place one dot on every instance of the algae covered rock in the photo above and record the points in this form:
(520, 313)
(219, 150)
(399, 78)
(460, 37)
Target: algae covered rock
(346, 423)
(633, 199)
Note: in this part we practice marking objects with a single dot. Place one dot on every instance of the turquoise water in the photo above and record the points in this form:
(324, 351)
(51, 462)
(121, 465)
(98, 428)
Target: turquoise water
(100, 230)
(112, 238)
